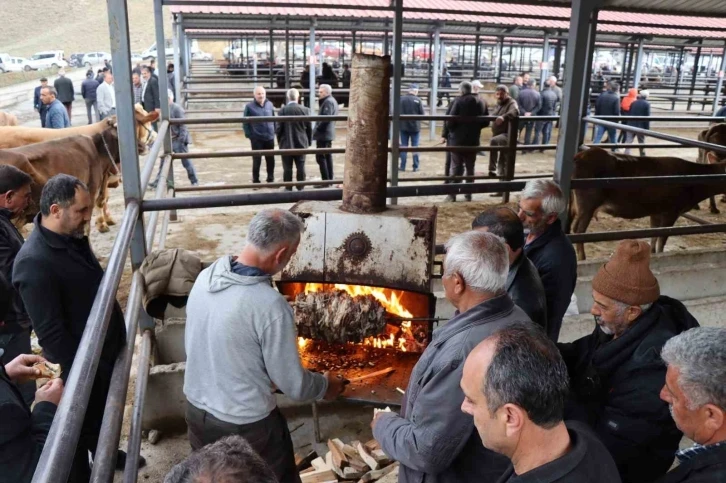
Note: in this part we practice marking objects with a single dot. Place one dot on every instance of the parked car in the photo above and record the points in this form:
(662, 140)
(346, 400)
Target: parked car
(76, 60)
(47, 60)
(17, 64)
(4, 59)
(136, 59)
(95, 58)
(202, 56)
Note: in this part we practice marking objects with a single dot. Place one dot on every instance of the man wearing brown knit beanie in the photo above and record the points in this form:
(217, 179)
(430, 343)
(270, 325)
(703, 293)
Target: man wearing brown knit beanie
(616, 373)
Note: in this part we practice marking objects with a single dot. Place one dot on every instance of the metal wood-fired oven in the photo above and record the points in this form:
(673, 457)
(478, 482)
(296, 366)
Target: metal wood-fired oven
(362, 252)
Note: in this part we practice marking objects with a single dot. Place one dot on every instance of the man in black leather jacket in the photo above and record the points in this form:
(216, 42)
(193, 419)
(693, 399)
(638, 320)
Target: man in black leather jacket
(523, 283)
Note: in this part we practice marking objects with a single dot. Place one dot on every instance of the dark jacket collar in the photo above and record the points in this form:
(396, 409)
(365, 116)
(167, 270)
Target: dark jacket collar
(51, 238)
(514, 269)
(480, 314)
(664, 313)
(553, 231)
(561, 467)
(5, 213)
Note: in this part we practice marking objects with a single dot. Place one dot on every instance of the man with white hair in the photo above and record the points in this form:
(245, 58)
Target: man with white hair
(294, 135)
(411, 105)
(261, 134)
(431, 438)
(324, 133)
(548, 247)
(695, 389)
(241, 343)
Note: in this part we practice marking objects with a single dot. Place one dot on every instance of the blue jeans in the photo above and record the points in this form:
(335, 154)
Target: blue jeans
(178, 147)
(413, 137)
(545, 129)
(600, 130)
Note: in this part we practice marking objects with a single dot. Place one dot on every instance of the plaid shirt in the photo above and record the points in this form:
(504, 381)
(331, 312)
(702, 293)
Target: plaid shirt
(137, 93)
(697, 449)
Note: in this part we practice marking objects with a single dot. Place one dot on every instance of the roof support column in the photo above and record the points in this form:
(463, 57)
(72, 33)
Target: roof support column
(161, 62)
(696, 61)
(638, 64)
(429, 62)
(558, 55)
(583, 24)
(545, 65)
(719, 82)
(254, 61)
(311, 92)
(476, 52)
(178, 72)
(679, 72)
(396, 90)
(500, 61)
(434, 92)
(386, 48)
(287, 54)
(352, 46)
(271, 61)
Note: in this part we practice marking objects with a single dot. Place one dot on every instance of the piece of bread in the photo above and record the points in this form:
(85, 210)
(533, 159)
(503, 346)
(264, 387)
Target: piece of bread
(48, 370)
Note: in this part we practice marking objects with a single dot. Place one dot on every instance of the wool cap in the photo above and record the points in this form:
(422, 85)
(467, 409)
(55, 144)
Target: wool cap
(626, 277)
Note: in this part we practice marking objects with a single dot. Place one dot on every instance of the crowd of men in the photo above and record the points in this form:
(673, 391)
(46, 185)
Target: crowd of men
(495, 397)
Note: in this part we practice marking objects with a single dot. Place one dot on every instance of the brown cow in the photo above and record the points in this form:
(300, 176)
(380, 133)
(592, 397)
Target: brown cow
(92, 159)
(14, 137)
(7, 119)
(662, 203)
(716, 134)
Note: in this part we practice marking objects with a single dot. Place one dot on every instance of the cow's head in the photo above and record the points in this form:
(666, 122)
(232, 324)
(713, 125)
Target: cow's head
(716, 134)
(144, 131)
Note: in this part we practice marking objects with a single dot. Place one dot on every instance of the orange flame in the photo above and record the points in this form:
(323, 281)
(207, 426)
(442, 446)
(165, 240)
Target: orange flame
(388, 298)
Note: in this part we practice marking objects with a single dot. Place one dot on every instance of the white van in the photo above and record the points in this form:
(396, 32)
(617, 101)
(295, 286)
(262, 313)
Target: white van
(4, 62)
(47, 60)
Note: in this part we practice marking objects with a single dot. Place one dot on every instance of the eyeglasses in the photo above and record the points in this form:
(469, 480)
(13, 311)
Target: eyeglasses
(528, 213)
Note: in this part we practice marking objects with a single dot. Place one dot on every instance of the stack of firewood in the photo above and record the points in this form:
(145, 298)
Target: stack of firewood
(355, 461)
(336, 316)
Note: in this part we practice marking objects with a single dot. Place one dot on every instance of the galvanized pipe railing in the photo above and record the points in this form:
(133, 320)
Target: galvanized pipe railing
(153, 155)
(666, 137)
(142, 381)
(60, 448)
(104, 464)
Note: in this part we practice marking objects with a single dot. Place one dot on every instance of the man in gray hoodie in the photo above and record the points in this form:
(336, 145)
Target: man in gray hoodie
(241, 344)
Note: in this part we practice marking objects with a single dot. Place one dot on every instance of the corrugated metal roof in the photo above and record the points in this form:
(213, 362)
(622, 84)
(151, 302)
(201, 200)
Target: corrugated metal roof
(504, 14)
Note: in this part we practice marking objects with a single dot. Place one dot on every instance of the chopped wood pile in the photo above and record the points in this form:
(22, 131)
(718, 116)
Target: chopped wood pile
(336, 316)
(348, 462)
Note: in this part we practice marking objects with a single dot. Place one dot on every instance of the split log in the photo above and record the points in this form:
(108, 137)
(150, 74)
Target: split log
(338, 317)
(319, 476)
(329, 461)
(319, 464)
(381, 457)
(367, 457)
(340, 461)
(351, 453)
(375, 474)
(372, 444)
(302, 462)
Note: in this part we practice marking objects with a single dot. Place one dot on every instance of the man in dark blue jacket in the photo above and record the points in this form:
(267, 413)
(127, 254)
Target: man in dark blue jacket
(261, 134)
(15, 326)
(56, 116)
(529, 102)
(607, 104)
(549, 248)
(410, 130)
(88, 92)
(37, 103)
(548, 107)
(641, 107)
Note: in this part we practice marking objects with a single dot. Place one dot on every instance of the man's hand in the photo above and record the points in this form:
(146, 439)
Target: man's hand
(376, 418)
(527, 114)
(21, 368)
(443, 141)
(51, 392)
(498, 121)
(336, 386)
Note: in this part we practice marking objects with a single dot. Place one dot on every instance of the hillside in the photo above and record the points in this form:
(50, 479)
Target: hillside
(29, 26)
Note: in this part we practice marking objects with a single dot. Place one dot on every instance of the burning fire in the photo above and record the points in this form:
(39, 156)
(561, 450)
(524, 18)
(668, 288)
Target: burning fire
(386, 297)
(396, 338)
